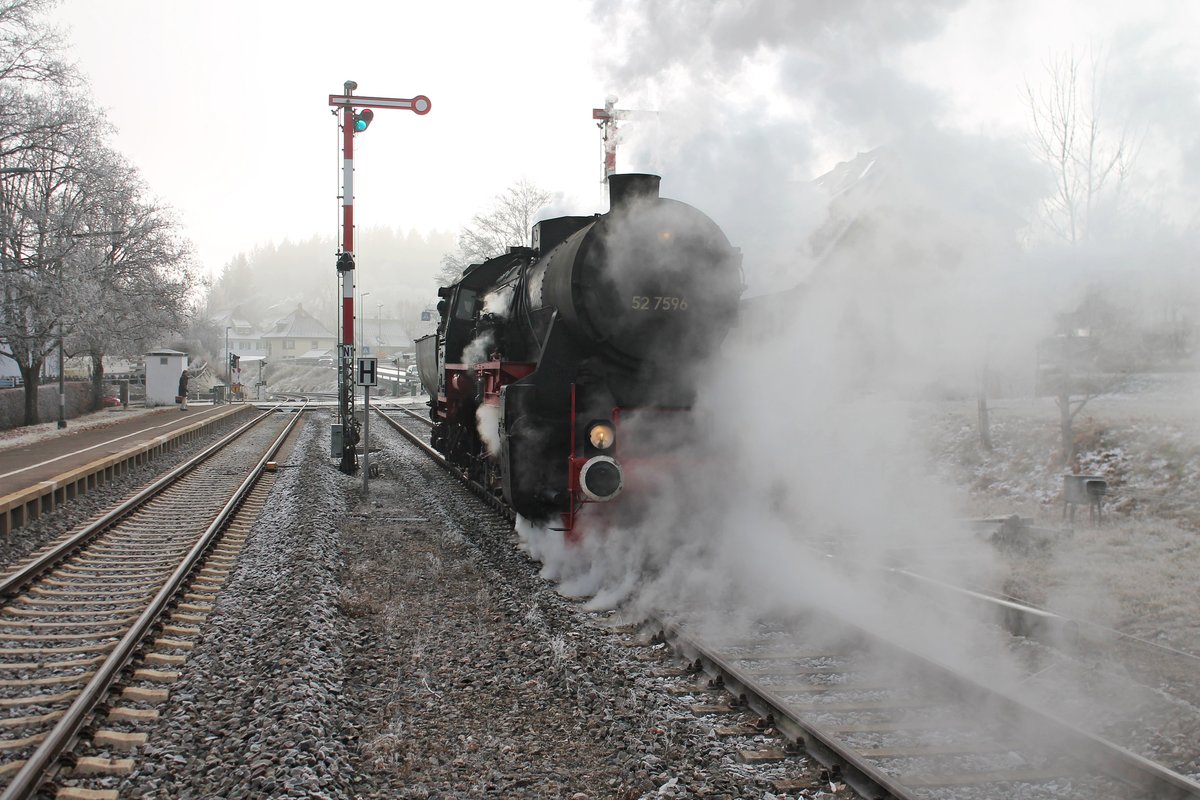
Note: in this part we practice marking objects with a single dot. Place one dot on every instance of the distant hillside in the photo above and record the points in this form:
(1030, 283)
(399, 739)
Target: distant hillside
(396, 269)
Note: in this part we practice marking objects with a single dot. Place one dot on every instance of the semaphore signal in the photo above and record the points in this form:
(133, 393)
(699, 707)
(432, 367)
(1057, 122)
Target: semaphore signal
(357, 115)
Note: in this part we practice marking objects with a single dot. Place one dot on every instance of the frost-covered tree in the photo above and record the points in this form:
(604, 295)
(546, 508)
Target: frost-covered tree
(47, 193)
(88, 263)
(30, 49)
(1074, 134)
(136, 281)
(1090, 158)
(40, 125)
(491, 233)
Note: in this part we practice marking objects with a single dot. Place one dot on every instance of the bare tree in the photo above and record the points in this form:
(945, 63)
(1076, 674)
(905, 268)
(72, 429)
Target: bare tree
(47, 194)
(1089, 157)
(1090, 160)
(136, 282)
(87, 263)
(29, 48)
(30, 65)
(507, 224)
(37, 125)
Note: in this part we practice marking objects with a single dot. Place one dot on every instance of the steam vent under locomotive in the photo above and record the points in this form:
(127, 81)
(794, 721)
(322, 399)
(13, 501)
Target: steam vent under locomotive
(544, 354)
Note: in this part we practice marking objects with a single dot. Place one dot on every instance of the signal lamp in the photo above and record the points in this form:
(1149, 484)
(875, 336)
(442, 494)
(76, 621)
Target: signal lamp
(362, 119)
(601, 435)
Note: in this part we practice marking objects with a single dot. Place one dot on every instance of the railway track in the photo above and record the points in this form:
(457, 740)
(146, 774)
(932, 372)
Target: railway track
(896, 725)
(409, 416)
(888, 721)
(78, 615)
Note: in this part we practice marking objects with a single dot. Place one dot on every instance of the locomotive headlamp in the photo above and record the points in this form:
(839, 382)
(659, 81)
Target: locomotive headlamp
(601, 478)
(666, 236)
(601, 435)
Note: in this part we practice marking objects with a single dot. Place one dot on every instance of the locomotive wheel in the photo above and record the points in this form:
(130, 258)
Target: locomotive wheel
(437, 438)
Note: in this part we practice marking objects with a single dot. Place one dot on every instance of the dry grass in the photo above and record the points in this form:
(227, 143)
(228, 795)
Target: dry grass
(358, 604)
(389, 751)
(1134, 573)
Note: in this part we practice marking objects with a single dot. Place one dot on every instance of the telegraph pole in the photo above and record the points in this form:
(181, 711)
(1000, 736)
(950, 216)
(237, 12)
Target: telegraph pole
(355, 121)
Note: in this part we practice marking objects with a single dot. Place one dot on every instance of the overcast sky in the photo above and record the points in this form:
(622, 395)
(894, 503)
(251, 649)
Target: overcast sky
(222, 104)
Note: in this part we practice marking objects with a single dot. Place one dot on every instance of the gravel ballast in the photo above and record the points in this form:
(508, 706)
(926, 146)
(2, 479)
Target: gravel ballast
(402, 646)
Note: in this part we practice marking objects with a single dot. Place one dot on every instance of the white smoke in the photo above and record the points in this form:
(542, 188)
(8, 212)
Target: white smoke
(487, 422)
(479, 349)
(499, 302)
(924, 273)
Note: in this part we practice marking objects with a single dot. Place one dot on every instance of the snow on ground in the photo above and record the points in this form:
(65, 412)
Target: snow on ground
(299, 378)
(20, 437)
(1144, 440)
(1135, 572)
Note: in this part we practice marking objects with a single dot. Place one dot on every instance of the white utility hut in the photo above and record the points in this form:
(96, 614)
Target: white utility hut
(163, 368)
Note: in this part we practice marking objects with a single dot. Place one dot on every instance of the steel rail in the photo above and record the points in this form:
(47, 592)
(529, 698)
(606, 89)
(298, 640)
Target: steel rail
(476, 488)
(418, 441)
(26, 782)
(422, 417)
(865, 778)
(1105, 756)
(18, 580)
(1019, 618)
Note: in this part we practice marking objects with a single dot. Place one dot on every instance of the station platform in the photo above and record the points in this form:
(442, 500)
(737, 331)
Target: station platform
(39, 475)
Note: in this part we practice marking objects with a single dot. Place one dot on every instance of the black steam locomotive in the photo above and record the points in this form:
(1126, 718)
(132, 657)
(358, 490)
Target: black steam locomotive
(545, 355)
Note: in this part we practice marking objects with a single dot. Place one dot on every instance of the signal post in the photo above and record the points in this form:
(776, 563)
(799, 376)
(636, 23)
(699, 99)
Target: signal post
(357, 114)
(609, 116)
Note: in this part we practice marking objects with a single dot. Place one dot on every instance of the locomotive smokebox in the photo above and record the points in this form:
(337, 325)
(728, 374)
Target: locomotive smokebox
(631, 186)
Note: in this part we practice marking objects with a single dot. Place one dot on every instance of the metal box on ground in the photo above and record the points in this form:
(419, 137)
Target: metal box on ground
(1083, 490)
(335, 440)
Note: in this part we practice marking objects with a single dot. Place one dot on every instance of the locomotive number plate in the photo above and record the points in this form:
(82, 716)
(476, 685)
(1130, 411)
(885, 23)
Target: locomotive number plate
(661, 303)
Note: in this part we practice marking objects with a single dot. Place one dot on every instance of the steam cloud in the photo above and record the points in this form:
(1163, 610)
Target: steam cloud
(923, 268)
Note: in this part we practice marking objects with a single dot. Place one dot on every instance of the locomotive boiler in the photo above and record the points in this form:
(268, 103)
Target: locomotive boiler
(545, 354)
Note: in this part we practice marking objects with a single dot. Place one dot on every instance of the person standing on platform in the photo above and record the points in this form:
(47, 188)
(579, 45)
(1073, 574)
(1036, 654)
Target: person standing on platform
(183, 384)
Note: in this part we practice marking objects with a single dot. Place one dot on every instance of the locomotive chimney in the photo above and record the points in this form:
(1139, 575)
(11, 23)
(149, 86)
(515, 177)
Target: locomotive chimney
(625, 188)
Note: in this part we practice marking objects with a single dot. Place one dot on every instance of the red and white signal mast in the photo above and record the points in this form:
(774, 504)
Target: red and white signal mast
(357, 113)
(608, 116)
